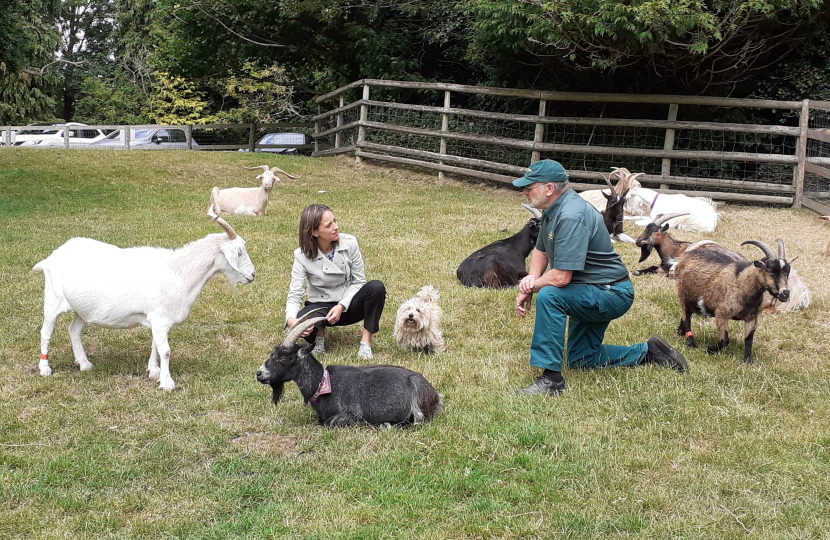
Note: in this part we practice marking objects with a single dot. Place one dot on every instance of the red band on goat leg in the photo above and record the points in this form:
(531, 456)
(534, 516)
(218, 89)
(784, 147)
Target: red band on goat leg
(689, 334)
(44, 357)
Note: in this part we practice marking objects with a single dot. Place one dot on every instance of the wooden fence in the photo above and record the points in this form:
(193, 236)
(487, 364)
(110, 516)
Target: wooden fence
(766, 162)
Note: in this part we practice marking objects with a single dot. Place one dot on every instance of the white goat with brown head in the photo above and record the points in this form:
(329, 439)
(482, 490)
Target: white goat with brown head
(246, 201)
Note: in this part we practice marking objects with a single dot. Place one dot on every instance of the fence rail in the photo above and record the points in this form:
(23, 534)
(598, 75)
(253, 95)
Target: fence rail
(495, 133)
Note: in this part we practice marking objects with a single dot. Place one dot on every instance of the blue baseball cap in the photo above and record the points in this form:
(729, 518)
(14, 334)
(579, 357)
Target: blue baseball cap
(544, 171)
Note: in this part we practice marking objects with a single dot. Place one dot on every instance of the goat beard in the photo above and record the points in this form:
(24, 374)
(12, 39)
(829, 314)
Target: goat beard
(277, 389)
(645, 252)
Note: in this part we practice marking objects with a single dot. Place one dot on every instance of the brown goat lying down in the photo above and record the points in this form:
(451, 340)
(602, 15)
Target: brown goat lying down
(726, 286)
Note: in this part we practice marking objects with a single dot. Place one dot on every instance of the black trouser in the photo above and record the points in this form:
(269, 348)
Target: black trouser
(367, 305)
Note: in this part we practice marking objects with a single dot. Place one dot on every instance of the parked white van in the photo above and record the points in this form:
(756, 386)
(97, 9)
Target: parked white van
(43, 135)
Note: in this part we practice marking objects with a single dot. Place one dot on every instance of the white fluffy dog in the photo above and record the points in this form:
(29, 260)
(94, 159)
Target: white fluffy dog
(418, 323)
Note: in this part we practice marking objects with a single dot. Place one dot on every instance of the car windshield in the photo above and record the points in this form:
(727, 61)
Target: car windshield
(142, 134)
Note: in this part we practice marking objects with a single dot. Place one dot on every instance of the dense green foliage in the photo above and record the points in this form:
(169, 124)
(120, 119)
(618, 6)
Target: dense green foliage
(248, 59)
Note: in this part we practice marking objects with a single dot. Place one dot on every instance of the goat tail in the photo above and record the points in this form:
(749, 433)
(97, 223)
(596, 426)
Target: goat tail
(426, 402)
(429, 294)
(213, 206)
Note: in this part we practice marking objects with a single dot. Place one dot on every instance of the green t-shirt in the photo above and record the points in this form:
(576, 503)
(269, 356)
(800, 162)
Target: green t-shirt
(574, 237)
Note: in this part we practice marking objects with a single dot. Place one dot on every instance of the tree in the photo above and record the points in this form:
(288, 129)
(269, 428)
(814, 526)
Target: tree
(28, 41)
(683, 46)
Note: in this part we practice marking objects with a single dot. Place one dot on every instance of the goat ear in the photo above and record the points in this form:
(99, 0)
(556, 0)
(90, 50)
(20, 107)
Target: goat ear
(232, 256)
(760, 264)
(665, 228)
(305, 350)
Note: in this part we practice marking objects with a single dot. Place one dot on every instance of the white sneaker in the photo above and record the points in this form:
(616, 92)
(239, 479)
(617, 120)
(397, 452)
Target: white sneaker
(365, 351)
(319, 345)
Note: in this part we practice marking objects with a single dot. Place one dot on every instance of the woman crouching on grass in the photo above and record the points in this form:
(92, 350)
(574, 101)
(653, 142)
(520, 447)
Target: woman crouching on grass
(332, 265)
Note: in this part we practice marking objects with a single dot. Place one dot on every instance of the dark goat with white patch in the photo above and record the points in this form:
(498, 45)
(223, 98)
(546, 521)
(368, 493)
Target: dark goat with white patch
(728, 287)
(613, 214)
(501, 264)
(348, 395)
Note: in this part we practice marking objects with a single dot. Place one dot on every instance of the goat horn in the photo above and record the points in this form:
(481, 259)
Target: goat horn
(277, 169)
(535, 211)
(300, 326)
(224, 224)
(607, 181)
(263, 167)
(662, 218)
(765, 248)
(781, 252)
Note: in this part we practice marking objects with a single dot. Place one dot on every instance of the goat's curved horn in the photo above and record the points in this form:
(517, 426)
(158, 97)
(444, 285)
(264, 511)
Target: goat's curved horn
(224, 224)
(662, 218)
(300, 326)
(781, 253)
(535, 211)
(765, 248)
(263, 167)
(607, 181)
(277, 169)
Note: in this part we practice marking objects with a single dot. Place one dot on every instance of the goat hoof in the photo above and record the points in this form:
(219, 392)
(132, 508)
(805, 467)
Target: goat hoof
(712, 350)
(167, 385)
(84, 365)
(45, 372)
(153, 374)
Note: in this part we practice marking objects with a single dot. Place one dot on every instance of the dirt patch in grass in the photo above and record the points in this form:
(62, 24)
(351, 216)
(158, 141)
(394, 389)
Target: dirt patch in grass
(268, 443)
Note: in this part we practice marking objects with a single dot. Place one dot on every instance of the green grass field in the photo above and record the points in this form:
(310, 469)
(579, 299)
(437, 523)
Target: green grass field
(725, 451)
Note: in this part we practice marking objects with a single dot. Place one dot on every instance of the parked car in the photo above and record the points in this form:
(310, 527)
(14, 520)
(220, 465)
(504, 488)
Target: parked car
(285, 143)
(147, 139)
(42, 135)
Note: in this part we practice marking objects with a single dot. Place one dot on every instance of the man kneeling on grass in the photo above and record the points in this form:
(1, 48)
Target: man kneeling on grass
(587, 282)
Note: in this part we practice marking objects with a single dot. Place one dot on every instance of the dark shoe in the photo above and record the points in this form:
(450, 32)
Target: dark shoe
(663, 354)
(543, 386)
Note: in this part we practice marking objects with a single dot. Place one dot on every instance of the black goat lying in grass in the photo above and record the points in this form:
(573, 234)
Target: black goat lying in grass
(501, 264)
(378, 395)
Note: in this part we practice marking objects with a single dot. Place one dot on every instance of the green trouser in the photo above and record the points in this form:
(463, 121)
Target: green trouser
(591, 308)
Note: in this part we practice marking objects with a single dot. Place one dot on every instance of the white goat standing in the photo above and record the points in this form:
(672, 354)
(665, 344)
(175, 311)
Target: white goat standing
(246, 201)
(701, 213)
(122, 288)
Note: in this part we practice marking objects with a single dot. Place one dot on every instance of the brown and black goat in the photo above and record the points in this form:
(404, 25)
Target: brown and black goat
(379, 395)
(726, 286)
(654, 237)
(501, 264)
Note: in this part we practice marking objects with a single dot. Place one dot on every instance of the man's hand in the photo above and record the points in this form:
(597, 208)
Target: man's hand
(523, 301)
(526, 284)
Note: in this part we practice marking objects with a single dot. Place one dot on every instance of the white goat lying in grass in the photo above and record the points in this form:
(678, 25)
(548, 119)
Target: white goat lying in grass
(246, 201)
(700, 214)
(122, 288)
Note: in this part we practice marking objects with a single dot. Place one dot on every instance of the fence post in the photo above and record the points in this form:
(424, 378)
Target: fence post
(801, 152)
(339, 121)
(8, 135)
(252, 138)
(445, 126)
(126, 137)
(66, 136)
(364, 115)
(665, 170)
(539, 133)
(188, 132)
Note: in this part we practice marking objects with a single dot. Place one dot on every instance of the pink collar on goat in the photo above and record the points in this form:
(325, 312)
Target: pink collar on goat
(324, 388)
(654, 201)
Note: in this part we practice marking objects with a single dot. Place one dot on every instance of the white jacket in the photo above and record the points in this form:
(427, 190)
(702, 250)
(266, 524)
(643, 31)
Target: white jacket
(328, 281)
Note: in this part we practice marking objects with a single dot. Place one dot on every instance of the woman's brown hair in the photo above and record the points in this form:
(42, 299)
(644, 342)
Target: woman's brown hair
(309, 222)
